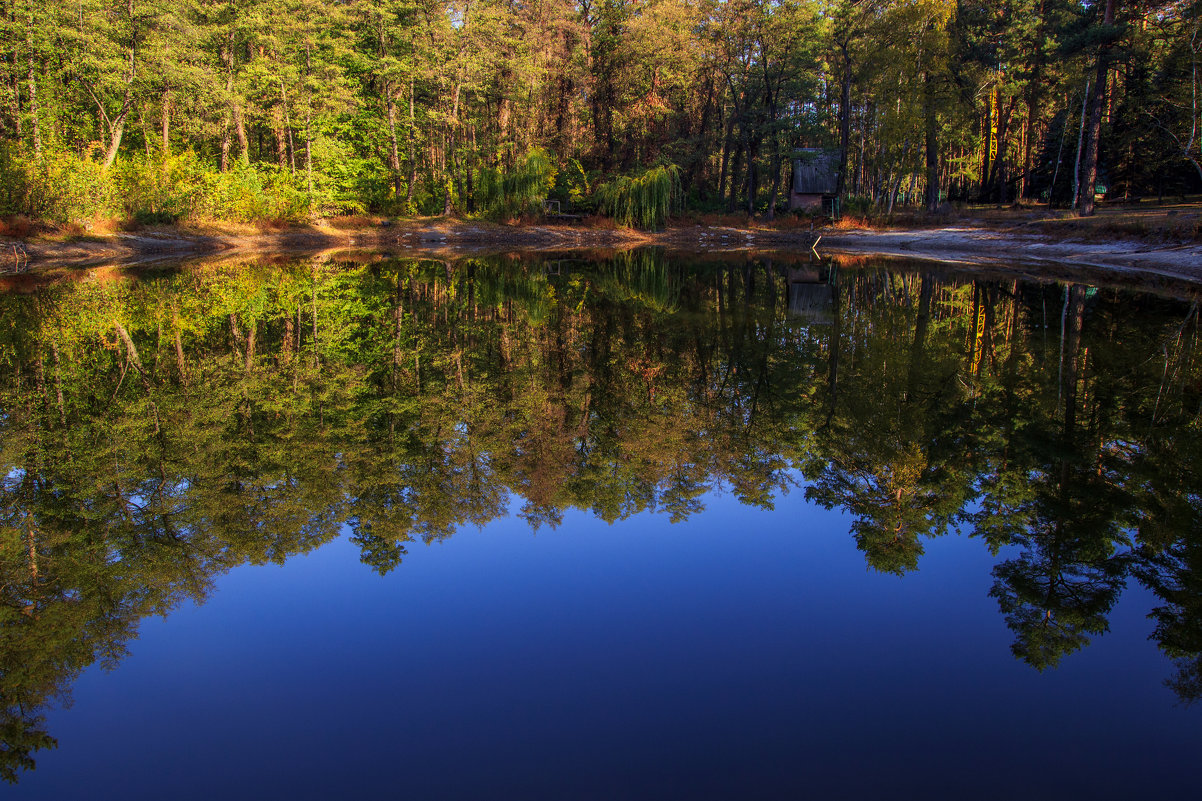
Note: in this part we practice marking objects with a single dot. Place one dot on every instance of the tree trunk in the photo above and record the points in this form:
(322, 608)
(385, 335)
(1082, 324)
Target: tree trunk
(412, 152)
(1089, 172)
(1080, 144)
(240, 132)
(281, 139)
(932, 146)
(723, 170)
(844, 121)
(309, 136)
(227, 56)
(117, 129)
(165, 121)
(288, 130)
(394, 153)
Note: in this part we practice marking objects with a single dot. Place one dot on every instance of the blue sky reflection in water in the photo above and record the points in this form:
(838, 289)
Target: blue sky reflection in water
(799, 651)
(741, 654)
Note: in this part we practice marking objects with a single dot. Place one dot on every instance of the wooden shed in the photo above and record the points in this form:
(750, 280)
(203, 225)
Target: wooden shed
(815, 180)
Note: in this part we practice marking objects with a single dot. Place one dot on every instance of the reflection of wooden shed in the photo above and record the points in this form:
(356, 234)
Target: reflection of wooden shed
(815, 180)
(810, 295)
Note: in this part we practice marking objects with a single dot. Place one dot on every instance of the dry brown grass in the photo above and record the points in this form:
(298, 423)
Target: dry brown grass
(17, 226)
(854, 222)
(354, 222)
(272, 226)
(1178, 223)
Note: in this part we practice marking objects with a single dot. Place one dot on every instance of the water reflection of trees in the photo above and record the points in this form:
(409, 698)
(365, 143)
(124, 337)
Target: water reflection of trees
(155, 433)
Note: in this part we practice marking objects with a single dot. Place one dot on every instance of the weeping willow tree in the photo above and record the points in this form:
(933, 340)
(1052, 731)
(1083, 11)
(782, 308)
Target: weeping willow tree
(519, 191)
(643, 277)
(530, 292)
(645, 200)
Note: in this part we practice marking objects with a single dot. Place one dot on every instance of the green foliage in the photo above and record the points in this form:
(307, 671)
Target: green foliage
(643, 277)
(645, 200)
(572, 185)
(249, 193)
(60, 187)
(65, 187)
(517, 192)
(159, 189)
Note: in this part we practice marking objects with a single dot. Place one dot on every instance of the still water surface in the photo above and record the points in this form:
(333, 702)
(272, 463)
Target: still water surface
(644, 527)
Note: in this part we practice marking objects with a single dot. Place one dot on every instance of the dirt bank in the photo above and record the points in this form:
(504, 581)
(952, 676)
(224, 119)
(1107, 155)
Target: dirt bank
(967, 245)
(999, 248)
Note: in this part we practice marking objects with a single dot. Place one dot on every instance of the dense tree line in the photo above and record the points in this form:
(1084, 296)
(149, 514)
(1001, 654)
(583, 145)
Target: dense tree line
(280, 109)
(158, 432)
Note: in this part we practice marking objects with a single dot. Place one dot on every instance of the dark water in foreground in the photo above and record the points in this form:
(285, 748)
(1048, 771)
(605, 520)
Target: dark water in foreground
(637, 528)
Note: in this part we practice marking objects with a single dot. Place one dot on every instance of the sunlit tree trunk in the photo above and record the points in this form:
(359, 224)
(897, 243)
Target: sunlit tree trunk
(165, 121)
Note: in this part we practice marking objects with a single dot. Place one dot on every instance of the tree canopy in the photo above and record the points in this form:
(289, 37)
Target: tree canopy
(273, 109)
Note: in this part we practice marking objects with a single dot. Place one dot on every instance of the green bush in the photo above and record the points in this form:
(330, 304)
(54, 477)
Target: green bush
(252, 192)
(157, 190)
(56, 187)
(519, 191)
(572, 185)
(857, 204)
(644, 200)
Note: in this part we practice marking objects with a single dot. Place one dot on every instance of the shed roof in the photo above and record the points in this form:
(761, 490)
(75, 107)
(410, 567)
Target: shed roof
(815, 171)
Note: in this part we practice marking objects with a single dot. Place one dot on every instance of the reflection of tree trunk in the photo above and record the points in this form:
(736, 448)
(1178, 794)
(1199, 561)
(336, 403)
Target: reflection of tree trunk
(251, 331)
(33, 550)
(1012, 334)
(836, 334)
(762, 373)
(58, 384)
(236, 335)
(286, 345)
(398, 315)
(1075, 321)
(132, 351)
(918, 349)
(315, 362)
(179, 356)
(39, 379)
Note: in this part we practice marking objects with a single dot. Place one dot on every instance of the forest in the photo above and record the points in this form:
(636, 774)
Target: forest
(160, 432)
(159, 111)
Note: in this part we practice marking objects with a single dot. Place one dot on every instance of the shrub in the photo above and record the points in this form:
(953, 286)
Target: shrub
(156, 190)
(644, 200)
(519, 191)
(56, 186)
(249, 193)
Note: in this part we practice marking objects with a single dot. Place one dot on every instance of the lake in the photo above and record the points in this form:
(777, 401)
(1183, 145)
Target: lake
(644, 525)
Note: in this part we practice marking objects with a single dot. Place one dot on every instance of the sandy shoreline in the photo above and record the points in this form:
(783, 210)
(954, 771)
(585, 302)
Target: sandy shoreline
(962, 246)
